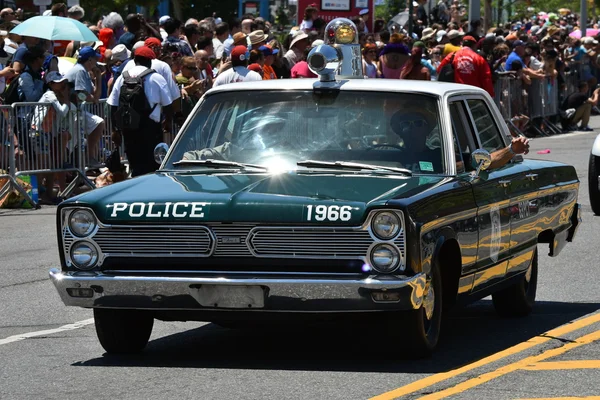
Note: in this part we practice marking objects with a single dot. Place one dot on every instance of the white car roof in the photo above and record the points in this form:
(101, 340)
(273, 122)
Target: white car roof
(377, 85)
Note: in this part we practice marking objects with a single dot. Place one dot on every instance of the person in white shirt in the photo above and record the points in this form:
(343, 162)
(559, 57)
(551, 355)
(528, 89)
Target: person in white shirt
(221, 35)
(165, 71)
(310, 14)
(140, 143)
(239, 71)
(161, 24)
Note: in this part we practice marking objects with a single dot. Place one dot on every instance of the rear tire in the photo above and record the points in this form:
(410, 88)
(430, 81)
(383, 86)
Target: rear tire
(593, 173)
(518, 300)
(123, 331)
(421, 328)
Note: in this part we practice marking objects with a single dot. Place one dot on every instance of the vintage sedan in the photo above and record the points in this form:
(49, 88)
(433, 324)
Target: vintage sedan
(288, 199)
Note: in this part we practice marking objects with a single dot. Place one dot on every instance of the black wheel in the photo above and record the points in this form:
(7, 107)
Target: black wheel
(123, 331)
(421, 328)
(518, 300)
(593, 173)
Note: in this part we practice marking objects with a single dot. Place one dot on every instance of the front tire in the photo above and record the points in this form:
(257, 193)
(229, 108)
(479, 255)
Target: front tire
(593, 173)
(123, 331)
(421, 328)
(518, 300)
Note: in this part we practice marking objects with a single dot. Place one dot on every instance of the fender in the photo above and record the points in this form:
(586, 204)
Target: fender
(596, 147)
(431, 245)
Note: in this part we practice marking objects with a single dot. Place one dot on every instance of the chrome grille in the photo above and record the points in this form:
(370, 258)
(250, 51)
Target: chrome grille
(154, 241)
(309, 242)
(231, 240)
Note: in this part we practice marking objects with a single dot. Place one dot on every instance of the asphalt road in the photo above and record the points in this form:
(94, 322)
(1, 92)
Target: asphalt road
(50, 351)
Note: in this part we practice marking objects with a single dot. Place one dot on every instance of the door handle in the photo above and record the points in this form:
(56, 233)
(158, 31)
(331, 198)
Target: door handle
(504, 184)
(532, 177)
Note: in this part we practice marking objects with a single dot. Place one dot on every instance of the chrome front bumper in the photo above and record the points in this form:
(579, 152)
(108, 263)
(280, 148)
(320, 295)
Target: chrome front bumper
(281, 294)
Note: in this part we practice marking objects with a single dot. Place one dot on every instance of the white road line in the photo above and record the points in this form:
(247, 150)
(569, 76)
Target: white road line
(69, 327)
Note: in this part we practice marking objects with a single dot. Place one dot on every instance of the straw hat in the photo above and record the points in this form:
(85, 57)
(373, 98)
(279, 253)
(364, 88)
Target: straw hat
(257, 37)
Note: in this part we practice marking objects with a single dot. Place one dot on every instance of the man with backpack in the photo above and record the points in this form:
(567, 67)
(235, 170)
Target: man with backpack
(137, 99)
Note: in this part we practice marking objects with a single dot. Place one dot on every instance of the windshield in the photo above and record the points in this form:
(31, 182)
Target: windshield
(278, 129)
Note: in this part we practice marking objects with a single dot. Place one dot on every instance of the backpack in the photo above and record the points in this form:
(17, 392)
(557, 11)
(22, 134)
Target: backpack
(11, 92)
(133, 104)
(447, 72)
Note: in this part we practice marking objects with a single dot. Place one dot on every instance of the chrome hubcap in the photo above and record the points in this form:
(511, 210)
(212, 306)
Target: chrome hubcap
(429, 301)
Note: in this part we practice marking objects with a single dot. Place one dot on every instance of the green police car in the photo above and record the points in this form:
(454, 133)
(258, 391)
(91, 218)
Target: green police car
(305, 197)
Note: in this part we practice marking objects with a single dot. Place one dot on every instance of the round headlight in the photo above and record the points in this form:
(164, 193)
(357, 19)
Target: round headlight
(385, 258)
(82, 223)
(84, 255)
(345, 34)
(386, 225)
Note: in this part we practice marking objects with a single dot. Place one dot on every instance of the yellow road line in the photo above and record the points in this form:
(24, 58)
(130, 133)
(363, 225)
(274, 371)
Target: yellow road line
(471, 383)
(534, 341)
(553, 365)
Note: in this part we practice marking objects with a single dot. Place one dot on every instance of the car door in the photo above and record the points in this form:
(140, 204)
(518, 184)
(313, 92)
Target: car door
(492, 190)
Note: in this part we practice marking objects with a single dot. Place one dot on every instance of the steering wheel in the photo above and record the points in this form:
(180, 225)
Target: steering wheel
(377, 146)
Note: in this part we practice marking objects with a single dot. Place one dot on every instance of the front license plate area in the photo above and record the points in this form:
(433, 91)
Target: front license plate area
(221, 296)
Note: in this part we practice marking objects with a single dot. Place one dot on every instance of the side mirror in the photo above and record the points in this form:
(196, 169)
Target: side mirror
(482, 159)
(160, 152)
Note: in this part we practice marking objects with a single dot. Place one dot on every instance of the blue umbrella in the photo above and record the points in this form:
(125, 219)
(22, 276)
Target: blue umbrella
(55, 28)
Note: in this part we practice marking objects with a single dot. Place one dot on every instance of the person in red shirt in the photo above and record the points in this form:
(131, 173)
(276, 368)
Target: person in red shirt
(469, 67)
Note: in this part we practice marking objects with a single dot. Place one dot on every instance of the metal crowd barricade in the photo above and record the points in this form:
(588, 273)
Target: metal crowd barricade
(88, 123)
(543, 104)
(37, 141)
(510, 99)
(9, 150)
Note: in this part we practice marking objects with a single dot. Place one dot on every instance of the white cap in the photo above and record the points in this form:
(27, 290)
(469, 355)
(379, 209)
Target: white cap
(55, 77)
(163, 19)
(440, 35)
(120, 53)
(317, 42)
(137, 45)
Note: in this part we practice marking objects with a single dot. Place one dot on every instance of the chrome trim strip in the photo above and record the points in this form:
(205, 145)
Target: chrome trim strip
(224, 272)
(356, 293)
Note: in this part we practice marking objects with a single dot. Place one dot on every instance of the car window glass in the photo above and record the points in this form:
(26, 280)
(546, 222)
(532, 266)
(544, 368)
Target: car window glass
(462, 145)
(487, 130)
(280, 128)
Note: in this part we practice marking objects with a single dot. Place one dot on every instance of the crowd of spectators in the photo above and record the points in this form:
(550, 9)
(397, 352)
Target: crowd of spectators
(196, 55)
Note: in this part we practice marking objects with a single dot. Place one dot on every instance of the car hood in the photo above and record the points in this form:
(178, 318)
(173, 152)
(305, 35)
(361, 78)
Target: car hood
(242, 197)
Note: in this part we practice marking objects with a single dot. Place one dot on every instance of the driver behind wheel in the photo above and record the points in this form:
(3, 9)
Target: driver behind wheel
(414, 128)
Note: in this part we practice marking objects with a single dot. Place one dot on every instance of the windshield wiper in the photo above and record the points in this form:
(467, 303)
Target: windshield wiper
(351, 165)
(211, 163)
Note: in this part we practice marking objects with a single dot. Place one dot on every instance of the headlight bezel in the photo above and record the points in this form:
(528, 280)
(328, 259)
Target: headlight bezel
(379, 235)
(396, 258)
(92, 228)
(95, 258)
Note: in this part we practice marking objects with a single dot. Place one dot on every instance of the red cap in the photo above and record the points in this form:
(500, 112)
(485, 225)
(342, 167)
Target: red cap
(255, 67)
(239, 53)
(469, 39)
(152, 42)
(145, 52)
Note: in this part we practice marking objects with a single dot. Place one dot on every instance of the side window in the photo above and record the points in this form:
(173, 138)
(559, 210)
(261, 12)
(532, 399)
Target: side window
(464, 143)
(489, 134)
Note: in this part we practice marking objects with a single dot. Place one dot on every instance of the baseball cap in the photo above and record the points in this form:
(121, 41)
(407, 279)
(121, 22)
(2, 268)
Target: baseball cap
(152, 42)
(268, 50)
(363, 11)
(239, 53)
(163, 19)
(137, 45)
(55, 77)
(440, 35)
(518, 43)
(86, 53)
(145, 52)
(120, 53)
(255, 67)
(469, 39)
(453, 34)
